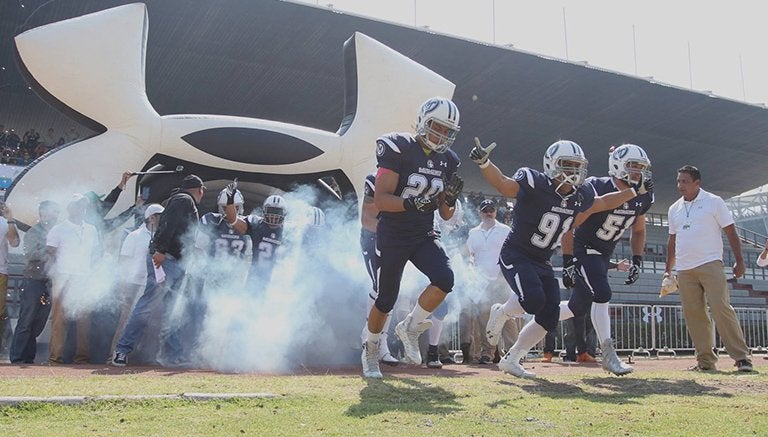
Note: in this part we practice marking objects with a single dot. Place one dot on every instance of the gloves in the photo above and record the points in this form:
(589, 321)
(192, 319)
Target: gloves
(453, 189)
(668, 285)
(420, 203)
(230, 190)
(644, 186)
(480, 154)
(634, 270)
(569, 271)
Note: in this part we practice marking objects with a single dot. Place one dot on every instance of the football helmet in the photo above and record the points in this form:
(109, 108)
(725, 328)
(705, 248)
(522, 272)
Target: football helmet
(274, 210)
(629, 160)
(565, 161)
(435, 112)
(221, 201)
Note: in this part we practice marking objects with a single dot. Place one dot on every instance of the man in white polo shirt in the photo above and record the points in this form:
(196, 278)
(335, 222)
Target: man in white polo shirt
(484, 244)
(695, 247)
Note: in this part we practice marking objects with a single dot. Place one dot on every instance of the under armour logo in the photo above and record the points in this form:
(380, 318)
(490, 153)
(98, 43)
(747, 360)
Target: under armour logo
(577, 203)
(651, 312)
(638, 203)
(443, 163)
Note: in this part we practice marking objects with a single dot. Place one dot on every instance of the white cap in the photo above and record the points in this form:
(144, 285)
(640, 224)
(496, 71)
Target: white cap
(153, 209)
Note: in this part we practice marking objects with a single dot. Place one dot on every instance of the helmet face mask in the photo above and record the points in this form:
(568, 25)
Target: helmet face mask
(565, 162)
(221, 202)
(629, 163)
(437, 124)
(274, 210)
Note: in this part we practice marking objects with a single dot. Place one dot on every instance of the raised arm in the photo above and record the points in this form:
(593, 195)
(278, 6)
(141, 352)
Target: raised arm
(506, 186)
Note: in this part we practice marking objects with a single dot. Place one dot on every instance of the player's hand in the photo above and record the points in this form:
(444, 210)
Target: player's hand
(421, 203)
(480, 154)
(644, 186)
(634, 270)
(453, 188)
(230, 189)
(569, 271)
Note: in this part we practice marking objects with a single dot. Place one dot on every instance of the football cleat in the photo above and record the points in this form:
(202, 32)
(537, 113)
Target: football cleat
(409, 335)
(433, 359)
(511, 364)
(611, 361)
(370, 359)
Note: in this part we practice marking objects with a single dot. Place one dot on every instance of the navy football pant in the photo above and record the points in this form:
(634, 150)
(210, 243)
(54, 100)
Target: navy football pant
(368, 247)
(535, 285)
(592, 283)
(426, 255)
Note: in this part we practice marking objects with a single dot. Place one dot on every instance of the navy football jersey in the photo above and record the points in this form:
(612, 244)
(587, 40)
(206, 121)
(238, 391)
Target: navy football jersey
(602, 230)
(420, 174)
(266, 241)
(370, 186)
(220, 239)
(541, 216)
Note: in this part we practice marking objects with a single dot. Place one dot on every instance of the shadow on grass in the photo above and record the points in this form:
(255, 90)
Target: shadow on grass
(614, 390)
(403, 394)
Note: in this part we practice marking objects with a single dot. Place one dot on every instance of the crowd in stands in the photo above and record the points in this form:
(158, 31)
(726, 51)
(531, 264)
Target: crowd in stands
(22, 150)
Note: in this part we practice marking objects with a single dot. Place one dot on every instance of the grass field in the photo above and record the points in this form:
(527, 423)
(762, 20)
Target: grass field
(404, 403)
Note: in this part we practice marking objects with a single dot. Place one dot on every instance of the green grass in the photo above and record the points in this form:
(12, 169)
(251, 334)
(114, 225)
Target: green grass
(650, 403)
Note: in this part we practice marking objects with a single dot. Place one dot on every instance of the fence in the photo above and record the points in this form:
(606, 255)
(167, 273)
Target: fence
(658, 330)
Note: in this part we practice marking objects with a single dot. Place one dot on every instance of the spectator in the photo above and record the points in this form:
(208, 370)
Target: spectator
(35, 296)
(10, 236)
(51, 139)
(12, 140)
(72, 135)
(695, 247)
(484, 243)
(179, 219)
(133, 262)
(72, 247)
(31, 139)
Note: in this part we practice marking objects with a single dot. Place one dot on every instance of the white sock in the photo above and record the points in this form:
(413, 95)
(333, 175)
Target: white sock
(368, 305)
(601, 320)
(418, 315)
(512, 306)
(531, 334)
(435, 331)
(372, 337)
(565, 311)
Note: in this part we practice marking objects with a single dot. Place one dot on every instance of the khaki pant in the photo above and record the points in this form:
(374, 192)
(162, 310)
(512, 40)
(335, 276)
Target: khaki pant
(61, 313)
(3, 311)
(497, 292)
(706, 285)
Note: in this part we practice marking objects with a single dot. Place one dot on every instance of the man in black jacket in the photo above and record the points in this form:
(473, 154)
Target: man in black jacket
(165, 272)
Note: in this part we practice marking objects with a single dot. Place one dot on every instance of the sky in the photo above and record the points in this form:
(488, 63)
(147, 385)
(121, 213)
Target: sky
(726, 40)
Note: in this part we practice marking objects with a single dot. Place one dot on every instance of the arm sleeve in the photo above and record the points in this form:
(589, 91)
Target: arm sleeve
(388, 154)
(671, 222)
(723, 214)
(53, 239)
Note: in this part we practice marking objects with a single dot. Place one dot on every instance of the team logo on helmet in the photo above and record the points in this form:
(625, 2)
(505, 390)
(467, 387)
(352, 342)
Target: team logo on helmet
(431, 105)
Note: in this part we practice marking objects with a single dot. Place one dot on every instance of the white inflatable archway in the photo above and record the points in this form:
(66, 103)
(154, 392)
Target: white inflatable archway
(94, 66)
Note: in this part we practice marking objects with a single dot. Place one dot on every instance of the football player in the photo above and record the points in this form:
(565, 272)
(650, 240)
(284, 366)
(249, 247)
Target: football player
(587, 251)
(416, 176)
(547, 204)
(369, 218)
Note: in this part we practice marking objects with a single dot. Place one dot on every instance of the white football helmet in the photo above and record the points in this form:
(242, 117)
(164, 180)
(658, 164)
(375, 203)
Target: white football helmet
(274, 210)
(438, 111)
(221, 201)
(565, 161)
(629, 160)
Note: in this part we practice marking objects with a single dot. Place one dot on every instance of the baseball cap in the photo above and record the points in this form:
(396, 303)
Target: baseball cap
(192, 181)
(152, 210)
(487, 203)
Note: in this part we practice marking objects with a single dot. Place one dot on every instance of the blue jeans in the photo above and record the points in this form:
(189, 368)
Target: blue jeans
(134, 329)
(33, 316)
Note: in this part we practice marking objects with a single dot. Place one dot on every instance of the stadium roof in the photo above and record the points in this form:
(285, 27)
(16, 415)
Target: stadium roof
(283, 61)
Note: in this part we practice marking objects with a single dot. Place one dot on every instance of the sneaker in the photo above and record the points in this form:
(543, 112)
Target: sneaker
(495, 324)
(119, 360)
(744, 365)
(370, 359)
(547, 357)
(409, 335)
(433, 360)
(701, 368)
(448, 361)
(611, 361)
(388, 359)
(511, 364)
(485, 360)
(585, 357)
